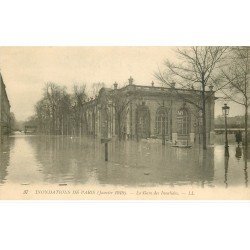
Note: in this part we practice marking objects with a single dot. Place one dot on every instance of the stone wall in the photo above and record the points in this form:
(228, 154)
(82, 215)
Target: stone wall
(4, 110)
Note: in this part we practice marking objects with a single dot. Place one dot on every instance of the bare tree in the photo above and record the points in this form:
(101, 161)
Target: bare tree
(59, 112)
(237, 76)
(121, 103)
(52, 109)
(122, 100)
(54, 94)
(79, 98)
(197, 69)
(96, 88)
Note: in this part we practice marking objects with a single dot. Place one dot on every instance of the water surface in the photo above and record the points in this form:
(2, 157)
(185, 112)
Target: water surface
(63, 160)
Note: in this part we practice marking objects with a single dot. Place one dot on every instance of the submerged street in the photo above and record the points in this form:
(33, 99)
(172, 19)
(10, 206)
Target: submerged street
(28, 159)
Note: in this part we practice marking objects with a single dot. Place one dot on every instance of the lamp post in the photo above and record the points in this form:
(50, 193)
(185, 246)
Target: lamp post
(225, 111)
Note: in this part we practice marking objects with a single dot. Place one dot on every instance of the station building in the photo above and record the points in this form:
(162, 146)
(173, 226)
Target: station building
(137, 111)
(5, 127)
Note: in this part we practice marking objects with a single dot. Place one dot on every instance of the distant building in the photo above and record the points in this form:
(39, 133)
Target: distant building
(135, 111)
(5, 128)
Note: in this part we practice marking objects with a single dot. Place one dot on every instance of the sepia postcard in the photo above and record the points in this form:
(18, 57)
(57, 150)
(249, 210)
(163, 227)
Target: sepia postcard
(124, 123)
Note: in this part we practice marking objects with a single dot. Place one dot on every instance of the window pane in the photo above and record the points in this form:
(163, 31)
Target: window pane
(161, 121)
(182, 122)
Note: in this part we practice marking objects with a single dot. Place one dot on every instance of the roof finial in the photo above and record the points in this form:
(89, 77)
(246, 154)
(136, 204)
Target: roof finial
(115, 85)
(130, 80)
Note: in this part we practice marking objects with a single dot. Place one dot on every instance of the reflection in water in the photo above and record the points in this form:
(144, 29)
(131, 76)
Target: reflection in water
(5, 158)
(64, 160)
(238, 152)
(246, 157)
(226, 161)
(130, 163)
(151, 164)
(207, 165)
(246, 174)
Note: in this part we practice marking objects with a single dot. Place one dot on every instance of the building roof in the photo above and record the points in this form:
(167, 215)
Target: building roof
(146, 89)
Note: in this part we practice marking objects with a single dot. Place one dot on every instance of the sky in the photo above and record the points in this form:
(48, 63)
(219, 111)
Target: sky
(25, 70)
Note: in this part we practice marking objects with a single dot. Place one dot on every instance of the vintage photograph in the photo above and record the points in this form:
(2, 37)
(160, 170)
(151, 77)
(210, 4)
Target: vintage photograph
(124, 122)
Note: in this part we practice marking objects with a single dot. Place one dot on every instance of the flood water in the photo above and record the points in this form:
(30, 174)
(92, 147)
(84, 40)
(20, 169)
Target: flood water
(63, 160)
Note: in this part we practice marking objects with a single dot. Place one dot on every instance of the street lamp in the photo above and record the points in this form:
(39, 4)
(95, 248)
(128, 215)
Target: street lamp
(225, 111)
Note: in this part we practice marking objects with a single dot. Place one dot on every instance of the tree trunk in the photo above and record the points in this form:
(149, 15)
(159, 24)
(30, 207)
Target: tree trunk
(171, 119)
(119, 127)
(204, 127)
(62, 132)
(53, 123)
(86, 127)
(246, 125)
(80, 127)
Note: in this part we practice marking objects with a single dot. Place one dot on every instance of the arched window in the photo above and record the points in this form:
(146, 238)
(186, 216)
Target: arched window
(162, 121)
(143, 121)
(182, 122)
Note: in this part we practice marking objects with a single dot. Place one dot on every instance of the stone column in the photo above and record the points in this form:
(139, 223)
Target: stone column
(174, 124)
(113, 121)
(131, 120)
(191, 124)
(152, 110)
(212, 135)
(192, 135)
(109, 118)
(128, 132)
(211, 119)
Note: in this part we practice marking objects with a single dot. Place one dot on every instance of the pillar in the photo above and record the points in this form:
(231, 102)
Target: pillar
(152, 109)
(174, 124)
(174, 137)
(212, 136)
(192, 135)
(192, 120)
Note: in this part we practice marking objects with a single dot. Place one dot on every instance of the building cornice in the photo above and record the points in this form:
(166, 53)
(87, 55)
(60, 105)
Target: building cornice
(149, 90)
